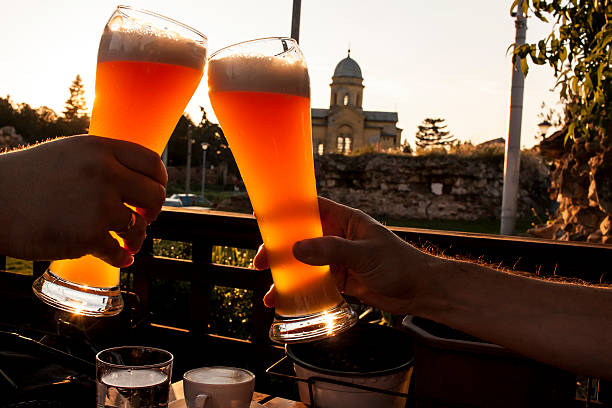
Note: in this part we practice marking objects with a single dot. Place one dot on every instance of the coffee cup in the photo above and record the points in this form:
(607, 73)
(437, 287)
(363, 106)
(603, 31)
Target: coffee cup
(218, 387)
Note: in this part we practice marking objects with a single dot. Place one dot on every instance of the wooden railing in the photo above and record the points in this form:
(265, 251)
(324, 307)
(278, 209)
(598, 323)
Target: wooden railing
(195, 345)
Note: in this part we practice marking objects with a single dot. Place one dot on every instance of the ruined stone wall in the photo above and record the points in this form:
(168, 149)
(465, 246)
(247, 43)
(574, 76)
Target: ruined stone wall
(582, 184)
(429, 187)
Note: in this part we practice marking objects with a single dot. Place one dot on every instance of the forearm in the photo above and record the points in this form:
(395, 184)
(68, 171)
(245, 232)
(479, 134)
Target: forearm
(565, 325)
(10, 198)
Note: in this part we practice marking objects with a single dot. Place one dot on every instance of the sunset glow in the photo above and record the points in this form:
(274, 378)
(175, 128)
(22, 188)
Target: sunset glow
(420, 59)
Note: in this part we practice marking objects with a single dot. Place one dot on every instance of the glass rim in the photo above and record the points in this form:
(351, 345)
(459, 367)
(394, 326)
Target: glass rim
(249, 373)
(135, 367)
(154, 14)
(292, 40)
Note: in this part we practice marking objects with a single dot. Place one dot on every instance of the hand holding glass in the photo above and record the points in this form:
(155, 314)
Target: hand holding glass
(148, 68)
(260, 92)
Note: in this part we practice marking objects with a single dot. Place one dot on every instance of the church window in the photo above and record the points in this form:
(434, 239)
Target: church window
(344, 141)
(347, 144)
(346, 99)
(358, 99)
(320, 149)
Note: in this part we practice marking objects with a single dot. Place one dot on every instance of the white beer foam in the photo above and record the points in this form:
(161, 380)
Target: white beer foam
(259, 73)
(134, 42)
(218, 375)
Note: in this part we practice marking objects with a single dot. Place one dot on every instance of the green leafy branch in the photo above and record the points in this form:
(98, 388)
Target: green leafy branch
(579, 49)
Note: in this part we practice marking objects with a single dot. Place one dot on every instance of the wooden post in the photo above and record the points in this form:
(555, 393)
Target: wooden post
(141, 279)
(201, 287)
(262, 317)
(39, 267)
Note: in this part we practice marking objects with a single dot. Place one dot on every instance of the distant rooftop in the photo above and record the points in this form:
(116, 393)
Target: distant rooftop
(380, 116)
(348, 67)
(372, 116)
(319, 113)
(492, 142)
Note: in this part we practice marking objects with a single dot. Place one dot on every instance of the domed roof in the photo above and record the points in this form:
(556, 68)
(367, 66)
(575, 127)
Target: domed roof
(348, 67)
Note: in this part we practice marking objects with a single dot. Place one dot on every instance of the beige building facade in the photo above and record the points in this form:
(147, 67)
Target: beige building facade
(345, 126)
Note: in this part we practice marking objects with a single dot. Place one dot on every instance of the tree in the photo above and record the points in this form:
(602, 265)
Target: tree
(432, 134)
(218, 149)
(76, 119)
(406, 148)
(579, 49)
(76, 107)
(204, 132)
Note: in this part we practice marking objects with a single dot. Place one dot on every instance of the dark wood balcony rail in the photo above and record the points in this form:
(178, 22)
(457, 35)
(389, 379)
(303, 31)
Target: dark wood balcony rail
(206, 229)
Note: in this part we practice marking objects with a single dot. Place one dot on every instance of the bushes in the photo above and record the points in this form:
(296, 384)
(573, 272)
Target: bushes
(230, 311)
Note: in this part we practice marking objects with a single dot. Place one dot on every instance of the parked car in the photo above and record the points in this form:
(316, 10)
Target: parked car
(186, 199)
(173, 202)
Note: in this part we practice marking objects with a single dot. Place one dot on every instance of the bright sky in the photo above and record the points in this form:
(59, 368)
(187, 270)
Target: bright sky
(436, 58)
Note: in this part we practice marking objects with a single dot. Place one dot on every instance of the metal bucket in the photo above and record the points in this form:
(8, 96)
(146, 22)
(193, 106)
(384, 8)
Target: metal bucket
(367, 366)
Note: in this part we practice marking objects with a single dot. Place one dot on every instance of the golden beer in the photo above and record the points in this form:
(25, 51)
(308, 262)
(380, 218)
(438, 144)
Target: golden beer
(263, 105)
(144, 79)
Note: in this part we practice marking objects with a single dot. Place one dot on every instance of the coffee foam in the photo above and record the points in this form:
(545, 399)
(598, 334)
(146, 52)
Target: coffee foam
(134, 42)
(259, 73)
(218, 375)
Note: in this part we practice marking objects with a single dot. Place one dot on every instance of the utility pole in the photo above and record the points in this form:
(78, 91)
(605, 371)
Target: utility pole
(295, 20)
(204, 148)
(512, 162)
(188, 165)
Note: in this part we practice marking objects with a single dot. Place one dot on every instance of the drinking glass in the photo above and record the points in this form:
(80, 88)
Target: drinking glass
(148, 68)
(133, 377)
(260, 92)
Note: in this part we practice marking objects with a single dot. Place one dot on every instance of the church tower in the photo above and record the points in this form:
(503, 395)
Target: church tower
(347, 84)
(345, 110)
(345, 127)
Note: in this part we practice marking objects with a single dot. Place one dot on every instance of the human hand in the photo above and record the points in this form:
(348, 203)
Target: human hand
(367, 260)
(61, 198)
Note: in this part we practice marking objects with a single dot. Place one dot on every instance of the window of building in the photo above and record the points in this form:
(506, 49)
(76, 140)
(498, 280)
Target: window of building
(320, 149)
(347, 144)
(346, 99)
(344, 141)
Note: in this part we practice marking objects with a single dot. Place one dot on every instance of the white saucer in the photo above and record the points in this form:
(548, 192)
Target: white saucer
(180, 403)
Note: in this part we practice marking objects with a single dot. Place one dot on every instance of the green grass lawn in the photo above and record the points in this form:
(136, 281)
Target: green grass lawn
(18, 266)
(487, 226)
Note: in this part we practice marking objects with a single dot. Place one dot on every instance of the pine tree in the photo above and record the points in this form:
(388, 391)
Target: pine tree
(75, 105)
(432, 134)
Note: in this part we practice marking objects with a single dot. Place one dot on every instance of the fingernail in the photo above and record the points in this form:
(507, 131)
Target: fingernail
(302, 250)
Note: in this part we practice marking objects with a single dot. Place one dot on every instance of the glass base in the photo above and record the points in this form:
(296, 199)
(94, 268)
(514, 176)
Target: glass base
(75, 298)
(315, 326)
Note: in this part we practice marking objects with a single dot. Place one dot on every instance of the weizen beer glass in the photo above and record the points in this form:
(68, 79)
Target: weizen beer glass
(260, 92)
(148, 68)
(133, 377)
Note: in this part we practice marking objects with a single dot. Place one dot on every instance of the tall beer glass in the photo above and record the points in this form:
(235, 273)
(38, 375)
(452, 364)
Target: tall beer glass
(260, 92)
(148, 68)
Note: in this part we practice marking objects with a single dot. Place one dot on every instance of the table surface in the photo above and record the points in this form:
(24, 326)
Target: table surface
(266, 400)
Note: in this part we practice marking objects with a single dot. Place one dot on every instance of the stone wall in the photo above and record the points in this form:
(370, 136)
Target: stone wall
(582, 184)
(429, 187)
